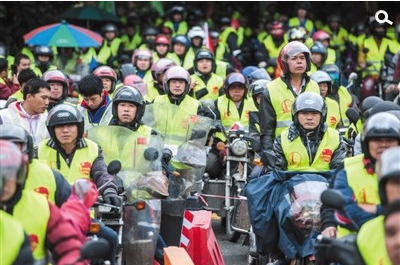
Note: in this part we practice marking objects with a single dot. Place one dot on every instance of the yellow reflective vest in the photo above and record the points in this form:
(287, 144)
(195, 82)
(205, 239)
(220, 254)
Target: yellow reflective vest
(209, 90)
(108, 50)
(230, 114)
(12, 237)
(34, 220)
(363, 184)
(297, 156)
(345, 101)
(295, 21)
(41, 180)
(333, 113)
(182, 28)
(282, 99)
(371, 242)
(80, 165)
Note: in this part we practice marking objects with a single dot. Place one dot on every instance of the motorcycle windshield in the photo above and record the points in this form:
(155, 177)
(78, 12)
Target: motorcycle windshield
(305, 204)
(185, 135)
(140, 157)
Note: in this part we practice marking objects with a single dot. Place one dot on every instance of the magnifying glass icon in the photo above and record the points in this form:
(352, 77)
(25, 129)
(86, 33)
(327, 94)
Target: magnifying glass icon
(385, 17)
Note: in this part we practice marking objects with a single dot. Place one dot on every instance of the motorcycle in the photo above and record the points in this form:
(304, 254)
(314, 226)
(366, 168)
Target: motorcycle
(185, 135)
(141, 184)
(331, 250)
(293, 198)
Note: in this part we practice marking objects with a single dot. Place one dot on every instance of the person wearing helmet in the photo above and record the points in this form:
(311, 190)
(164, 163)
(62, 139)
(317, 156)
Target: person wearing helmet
(271, 47)
(142, 59)
(319, 53)
(307, 137)
(31, 112)
(182, 55)
(392, 231)
(358, 180)
(196, 36)
(58, 84)
(112, 46)
(43, 60)
(228, 36)
(96, 104)
(149, 35)
(221, 50)
(162, 45)
(325, 85)
(137, 82)
(176, 84)
(301, 18)
(40, 178)
(300, 34)
(256, 90)
(339, 93)
(16, 246)
(206, 84)
(158, 70)
(131, 39)
(75, 157)
(109, 78)
(325, 38)
(369, 55)
(339, 35)
(233, 106)
(294, 61)
(7, 86)
(176, 21)
(372, 235)
(44, 223)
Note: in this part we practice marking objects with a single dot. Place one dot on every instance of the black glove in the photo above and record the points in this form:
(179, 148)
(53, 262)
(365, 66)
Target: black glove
(110, 196)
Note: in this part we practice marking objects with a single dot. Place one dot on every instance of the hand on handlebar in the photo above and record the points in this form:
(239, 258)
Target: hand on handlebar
(110, 197)
(329, 232)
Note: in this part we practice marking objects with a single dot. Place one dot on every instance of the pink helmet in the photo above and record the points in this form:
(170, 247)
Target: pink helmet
(160, 66)
(176, 73)
(143, 53)
(57, 76)
(107, 72)
(136, 81)
(291, 49)
(321, 35)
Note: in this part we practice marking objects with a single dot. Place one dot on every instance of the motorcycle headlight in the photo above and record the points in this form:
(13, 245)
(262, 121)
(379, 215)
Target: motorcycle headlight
(239, 147)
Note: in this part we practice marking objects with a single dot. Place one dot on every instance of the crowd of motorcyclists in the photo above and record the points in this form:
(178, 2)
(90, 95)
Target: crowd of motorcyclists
(158, 87)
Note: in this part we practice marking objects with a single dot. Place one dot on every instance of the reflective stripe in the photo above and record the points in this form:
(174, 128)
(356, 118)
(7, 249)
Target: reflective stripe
(283, 124)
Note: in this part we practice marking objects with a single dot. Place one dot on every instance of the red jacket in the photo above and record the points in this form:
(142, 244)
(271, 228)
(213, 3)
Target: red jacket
(7, 88)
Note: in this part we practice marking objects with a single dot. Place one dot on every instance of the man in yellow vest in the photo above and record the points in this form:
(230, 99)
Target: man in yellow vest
(308, 144)
(158, 70)
(58, 83)
(358, 181)
(234, 106)
(294, 61)
(109, 78)
(301, 18)
(176, 21)
(181, 54)
(112, 47)
(76, 157)
(325, 84)
(40, 178)
(44, 223)
(392, 231)
(372, 235)
(43, 60)
(16, 248)
(206, 84)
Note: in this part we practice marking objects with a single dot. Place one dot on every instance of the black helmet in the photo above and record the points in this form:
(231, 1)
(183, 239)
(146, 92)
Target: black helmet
(322, 77)
(44, 50)
(384, 106)
(132, 95)
(378, 126)
(388, 167)
(17, 134)
(150, 31)
(109, 27)
(256, 88)
(204, 53)
(12, 163)
(335, 74)
(233, 78)
(318, 47)
(334, 18)
(368, 104)
(64, 114)
(176, 10)
(309, 101)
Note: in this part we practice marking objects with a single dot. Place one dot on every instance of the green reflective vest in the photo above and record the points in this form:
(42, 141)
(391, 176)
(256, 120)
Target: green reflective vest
(209, 90)
(337, 39)
(295, 21)
(375, 54)
(12, 237)
(131, 43)
(108, 50)
(182, 28)
(297, 156)
(345, 101)
(34, 220)
(282, 99)
(363, 184)
(80, 165)
(371, 242)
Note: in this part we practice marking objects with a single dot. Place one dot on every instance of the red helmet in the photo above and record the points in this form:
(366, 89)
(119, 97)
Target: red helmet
(277, 30)
(162, 39)
(160, 67)
(107, 72)
(59, 77)
(291, 49)
(144, 53)
(321, 35)
(136, 81)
